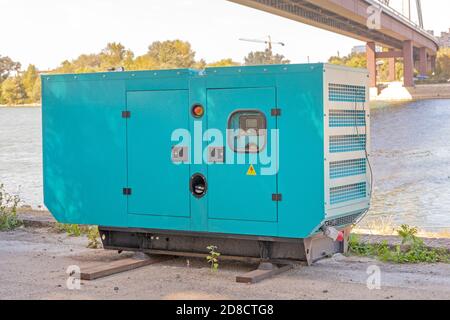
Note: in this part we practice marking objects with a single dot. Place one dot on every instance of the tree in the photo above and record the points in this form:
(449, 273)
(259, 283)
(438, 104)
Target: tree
(359, 60)
(172, 54)
(354, 60)
(115, 55)
(142, 63)
(223, 63)
(35, 95)
(65, 67)
(13, 91)
(7, 66)
(160, 55)
(264, 57)
(443, 64)
(200, 65)
(87, 63)
(29, 79)
(83, 64)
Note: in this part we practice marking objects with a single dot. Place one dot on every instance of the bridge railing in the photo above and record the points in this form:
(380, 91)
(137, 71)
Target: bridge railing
(401, 16)
(395, 12)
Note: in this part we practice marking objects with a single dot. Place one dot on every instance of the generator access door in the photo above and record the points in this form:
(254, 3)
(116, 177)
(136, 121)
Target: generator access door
(241, 182)
(158, 187)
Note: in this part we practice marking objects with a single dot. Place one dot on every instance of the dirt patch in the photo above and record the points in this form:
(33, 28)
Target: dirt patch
(33, 264)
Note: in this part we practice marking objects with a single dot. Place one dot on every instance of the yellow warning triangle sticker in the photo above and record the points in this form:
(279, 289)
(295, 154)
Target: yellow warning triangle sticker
(251, 171)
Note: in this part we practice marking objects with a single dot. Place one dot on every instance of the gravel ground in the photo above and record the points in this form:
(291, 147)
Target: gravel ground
(33, 264)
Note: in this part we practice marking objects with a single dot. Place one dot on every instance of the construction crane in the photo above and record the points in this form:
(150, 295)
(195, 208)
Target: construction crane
(268, 42)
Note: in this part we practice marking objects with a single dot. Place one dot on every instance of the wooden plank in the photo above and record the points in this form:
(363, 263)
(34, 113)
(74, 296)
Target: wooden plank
(203, 255)
(261, 274)
(107, 269)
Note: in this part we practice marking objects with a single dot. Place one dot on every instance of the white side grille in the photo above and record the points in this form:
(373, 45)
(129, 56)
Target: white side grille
(346, 141)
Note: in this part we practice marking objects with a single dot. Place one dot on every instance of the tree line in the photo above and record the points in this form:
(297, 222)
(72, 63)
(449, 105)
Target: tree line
(19, 86)
(358, 60)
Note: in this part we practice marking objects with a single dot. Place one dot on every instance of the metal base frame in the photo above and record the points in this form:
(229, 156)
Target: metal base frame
(252, 249)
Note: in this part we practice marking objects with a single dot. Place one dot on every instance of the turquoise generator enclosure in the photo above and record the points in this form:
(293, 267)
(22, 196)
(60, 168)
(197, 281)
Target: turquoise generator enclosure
(265, 162)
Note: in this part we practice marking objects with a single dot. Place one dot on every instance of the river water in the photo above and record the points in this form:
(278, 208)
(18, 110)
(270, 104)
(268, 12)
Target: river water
(410, 160)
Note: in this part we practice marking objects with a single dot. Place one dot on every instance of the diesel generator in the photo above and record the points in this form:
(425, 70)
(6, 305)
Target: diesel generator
(263, 162)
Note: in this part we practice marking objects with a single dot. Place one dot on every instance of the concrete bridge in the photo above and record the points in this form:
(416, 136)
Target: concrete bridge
(371, 21)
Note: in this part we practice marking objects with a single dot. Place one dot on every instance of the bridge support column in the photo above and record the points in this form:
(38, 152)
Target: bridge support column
(433, 63)
(408, 64)
(371, 63)
(423, 62)
(391, 62)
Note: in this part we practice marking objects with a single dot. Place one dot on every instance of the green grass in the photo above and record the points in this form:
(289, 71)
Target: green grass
(412, 249)
(213, 257)
(76, 230)
(93, 238)
(8, 211)
(9, 221)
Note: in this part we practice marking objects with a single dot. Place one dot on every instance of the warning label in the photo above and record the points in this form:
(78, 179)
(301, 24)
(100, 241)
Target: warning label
(251, 171)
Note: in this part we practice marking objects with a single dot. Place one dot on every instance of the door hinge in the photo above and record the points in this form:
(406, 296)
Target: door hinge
(127, 191)
(126, 114)
(276, 197)
(276, 112)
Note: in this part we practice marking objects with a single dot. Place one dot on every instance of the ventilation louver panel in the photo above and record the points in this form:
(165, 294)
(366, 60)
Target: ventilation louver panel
(347, 118)
(347, 143)
(347, 168)
(347, 193)
(346, 93)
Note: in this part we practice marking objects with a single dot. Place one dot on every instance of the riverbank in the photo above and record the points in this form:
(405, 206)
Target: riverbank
(396, 92)
(32, 105)
(430, 91)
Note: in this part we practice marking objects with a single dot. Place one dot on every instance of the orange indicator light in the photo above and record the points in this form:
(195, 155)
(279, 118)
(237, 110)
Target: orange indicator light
(198, 111)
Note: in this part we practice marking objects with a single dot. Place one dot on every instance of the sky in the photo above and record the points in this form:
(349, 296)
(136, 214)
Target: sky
(47, 32)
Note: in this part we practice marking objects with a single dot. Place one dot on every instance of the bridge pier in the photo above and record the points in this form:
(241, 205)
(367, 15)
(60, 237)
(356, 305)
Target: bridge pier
(407, 54)
(423, 61)
(433, 63)
(391, 62)
(372, 63)
(408, 64)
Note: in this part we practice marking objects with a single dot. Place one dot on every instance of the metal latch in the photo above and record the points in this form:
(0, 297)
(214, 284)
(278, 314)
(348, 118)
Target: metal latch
(276, 197)
(276, 112)
(180, 154)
